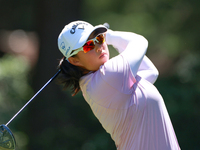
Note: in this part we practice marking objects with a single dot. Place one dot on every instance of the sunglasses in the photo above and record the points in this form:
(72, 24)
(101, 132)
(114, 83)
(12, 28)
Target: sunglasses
(90, 44)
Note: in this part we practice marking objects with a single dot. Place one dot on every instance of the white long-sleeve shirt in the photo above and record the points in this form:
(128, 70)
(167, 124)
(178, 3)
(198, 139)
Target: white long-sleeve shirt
(122, 96)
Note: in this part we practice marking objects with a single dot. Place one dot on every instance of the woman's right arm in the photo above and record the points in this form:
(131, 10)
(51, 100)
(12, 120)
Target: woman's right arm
(147, 70)
(131, 46)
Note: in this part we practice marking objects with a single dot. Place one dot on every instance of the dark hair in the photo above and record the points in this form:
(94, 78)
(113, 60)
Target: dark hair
(70, 76)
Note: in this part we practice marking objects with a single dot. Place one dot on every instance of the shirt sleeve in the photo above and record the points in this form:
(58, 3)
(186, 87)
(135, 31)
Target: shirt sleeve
(147, 70)
(131, 46)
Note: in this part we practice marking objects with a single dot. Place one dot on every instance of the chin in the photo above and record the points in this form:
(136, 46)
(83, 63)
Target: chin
(104, 61)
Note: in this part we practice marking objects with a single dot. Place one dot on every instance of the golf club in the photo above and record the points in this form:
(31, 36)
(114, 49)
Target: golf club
(7, 140)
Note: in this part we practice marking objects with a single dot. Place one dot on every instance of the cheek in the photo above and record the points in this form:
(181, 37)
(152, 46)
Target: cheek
(88, 61)
(105, 47)
(92, 63)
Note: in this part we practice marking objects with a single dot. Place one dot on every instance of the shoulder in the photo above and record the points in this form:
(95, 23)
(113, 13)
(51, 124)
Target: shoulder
(114, 74)
(116, 70)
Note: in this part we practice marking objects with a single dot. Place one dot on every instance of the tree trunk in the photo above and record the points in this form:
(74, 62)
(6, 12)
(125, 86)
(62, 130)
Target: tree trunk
(45, 113)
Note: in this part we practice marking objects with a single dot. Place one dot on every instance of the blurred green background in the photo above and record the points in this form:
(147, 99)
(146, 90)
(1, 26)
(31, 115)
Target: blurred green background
(29, 57)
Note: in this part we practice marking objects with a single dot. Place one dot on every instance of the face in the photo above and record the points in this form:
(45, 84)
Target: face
(93, 59)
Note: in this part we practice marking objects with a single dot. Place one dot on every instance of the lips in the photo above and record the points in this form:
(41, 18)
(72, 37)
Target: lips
(102, 55)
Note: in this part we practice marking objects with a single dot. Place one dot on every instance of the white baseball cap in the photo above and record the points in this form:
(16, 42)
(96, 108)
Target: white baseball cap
(74, 35)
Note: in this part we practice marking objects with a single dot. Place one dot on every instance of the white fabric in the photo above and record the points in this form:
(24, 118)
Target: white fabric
(123, 98)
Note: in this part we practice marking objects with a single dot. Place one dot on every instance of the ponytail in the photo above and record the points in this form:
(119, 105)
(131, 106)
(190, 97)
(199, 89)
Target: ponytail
(69, 76)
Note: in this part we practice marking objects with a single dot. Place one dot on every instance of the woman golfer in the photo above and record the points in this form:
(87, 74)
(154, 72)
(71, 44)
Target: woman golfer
(120, 90)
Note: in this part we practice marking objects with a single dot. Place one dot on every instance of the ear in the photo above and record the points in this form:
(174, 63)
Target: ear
(74, 61)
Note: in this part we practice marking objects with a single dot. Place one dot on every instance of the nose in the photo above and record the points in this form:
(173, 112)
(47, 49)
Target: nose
(98, 47)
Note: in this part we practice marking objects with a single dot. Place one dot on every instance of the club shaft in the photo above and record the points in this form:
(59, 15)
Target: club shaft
(50, 80)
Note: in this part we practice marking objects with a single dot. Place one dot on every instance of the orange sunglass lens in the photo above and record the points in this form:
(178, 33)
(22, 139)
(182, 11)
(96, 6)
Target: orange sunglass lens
(88, 46)
(100, 38)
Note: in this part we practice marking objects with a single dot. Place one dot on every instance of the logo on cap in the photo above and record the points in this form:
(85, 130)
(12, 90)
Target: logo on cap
(73, 30)
(62, 45)
(67, 51)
